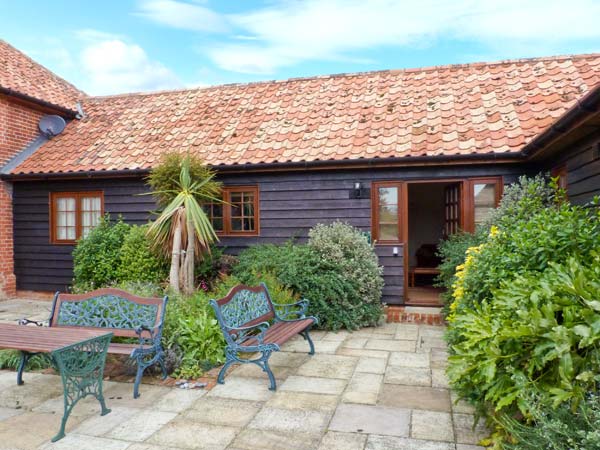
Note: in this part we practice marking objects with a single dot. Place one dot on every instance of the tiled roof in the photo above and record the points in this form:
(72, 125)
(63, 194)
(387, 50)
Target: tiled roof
(484, 108)
(21, 74)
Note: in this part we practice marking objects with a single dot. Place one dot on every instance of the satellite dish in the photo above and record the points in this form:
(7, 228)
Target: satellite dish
(52, 125)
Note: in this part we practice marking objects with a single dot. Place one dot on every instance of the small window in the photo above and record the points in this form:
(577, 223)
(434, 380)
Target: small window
(560, 173)
(238, 215)
(486, 196)
(386, 212)
(74, 214)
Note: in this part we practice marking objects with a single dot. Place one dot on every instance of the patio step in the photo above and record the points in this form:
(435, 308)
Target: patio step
(415, 314)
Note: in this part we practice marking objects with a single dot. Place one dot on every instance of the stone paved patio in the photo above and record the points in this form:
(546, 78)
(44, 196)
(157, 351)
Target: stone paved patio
(375, 389)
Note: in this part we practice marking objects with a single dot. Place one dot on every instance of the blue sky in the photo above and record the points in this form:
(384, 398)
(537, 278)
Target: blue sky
(115, 46)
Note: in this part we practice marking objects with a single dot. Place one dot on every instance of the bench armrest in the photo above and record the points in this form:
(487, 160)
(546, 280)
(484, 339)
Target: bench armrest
(291, 312)
(154, 334)
(241, 333)
(25, 321)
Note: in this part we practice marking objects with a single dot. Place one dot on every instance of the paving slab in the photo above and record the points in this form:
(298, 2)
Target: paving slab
(84, 408)
(288, 420)
(178, 400)
(432, 331)
(303, 401)
(5, 413)
(187, 434)
(439, 378)
(412, 376)
(252, 439)
(141, 425)
(427, 343)
(81, 442)
(255, 389)
(222, 411)
(460, 406)
(363, 352)
(315, 385)
(391, 345)
(288, 359)
(369, 419)
(414, 397)
(253, 371)
(334, 440)
(464, 431)
(31, 429)
(371, 365)
(302, 346)
(407, 331)
(409, 359)
(340, 335)
(439, 358)
(146, 446)
(37, 389)
(328, 366)
(363, 388)
(121, 395)
(431, 425)
(376, 442)
(469, 447)
(355, 342)
(98, 425)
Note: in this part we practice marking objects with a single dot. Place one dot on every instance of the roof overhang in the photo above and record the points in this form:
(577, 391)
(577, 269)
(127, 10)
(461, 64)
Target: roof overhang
(41, 104)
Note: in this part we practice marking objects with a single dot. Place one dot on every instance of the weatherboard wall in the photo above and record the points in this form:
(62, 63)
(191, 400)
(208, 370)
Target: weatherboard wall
(290, 204)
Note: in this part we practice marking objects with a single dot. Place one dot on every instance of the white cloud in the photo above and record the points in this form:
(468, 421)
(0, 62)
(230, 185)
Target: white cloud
(114, 66)
(287, 33)
(92, 35)
(183, 15)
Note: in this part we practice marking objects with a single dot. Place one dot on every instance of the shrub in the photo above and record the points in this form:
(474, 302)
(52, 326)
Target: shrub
(347, 248)
(97, 257)
(569, 427)
(10, 359)
(331, 285)
(137, 262)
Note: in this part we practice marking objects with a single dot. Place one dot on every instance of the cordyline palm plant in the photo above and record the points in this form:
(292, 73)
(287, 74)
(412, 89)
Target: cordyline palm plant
(182, 223)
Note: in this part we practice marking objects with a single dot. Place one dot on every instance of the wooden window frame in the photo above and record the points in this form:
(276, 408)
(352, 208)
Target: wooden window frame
(561, 173)
(226, 193)
(78, 225)
(469, 198)
(400, 185)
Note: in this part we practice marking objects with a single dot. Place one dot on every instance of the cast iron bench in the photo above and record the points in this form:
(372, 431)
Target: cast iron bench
(120, 312)
(245, 316)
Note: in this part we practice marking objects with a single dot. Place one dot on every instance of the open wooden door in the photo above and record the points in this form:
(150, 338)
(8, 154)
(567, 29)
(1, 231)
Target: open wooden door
(452, 209)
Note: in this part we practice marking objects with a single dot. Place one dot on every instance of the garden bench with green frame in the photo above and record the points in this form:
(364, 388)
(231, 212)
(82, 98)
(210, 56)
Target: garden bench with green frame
(117, 311)
(252, 323)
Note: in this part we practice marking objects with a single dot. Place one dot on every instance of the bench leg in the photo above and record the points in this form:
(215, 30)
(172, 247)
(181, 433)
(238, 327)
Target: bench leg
(230, 358)
(263, 363)
(306, 335)
(24, 359)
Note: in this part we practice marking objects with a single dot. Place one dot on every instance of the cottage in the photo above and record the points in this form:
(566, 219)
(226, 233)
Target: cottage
(408, 156)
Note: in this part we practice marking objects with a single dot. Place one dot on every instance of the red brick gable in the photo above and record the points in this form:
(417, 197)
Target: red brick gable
(485, 108)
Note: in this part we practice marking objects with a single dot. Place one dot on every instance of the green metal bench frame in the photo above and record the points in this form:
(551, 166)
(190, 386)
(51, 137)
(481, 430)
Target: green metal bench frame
(245, 315)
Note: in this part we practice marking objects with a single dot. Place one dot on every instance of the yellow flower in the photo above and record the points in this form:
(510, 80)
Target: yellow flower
(493, 231)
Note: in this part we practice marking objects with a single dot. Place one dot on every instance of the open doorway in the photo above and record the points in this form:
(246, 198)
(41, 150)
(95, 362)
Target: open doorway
(434, 212)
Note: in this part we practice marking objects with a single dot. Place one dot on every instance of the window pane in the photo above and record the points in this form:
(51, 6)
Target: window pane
(217, 224)
(248, 209)
(236, 197)
(248, 224)
(236, 225)
(485, 200)
(388, 214)
(388, 232)
(236, 210)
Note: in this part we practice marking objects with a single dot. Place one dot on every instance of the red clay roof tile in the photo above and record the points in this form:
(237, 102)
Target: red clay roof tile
(482, 108)
(20, 74)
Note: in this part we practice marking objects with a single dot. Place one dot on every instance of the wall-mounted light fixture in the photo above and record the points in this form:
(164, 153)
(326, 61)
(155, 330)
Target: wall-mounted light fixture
(358, 191)
(395, 251)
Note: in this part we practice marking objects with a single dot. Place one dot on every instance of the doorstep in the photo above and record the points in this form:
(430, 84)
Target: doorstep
(415, 314)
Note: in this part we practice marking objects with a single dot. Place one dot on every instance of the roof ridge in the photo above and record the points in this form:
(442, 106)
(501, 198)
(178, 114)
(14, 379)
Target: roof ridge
(350, 74)
(53, 74)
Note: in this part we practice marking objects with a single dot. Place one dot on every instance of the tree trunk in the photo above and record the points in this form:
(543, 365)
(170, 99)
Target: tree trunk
(189, 257)
(175, 256)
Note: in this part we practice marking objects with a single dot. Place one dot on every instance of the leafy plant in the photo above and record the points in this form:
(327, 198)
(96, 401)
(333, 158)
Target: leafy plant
(97, 257)
(182, 223)
(10, 359)
(568, 427)
(137, 262)
(334, 294)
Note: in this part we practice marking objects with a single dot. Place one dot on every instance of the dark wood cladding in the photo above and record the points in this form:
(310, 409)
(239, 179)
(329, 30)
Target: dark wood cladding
(582, 163)
(290, 204)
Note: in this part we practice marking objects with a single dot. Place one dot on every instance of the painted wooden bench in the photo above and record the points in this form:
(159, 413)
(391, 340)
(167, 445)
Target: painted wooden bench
(118, 311)
(252, 323)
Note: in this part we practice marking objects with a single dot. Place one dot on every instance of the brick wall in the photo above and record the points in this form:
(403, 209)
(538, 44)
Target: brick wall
(18, 127)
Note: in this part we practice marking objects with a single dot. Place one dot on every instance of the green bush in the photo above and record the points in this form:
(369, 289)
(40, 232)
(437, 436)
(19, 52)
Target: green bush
(332, 286)
(347, 248)
(137, 262)
(97, 257)
(10, 359)
(569, 427)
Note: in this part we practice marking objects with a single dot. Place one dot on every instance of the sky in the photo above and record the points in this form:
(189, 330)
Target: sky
(116, 46)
